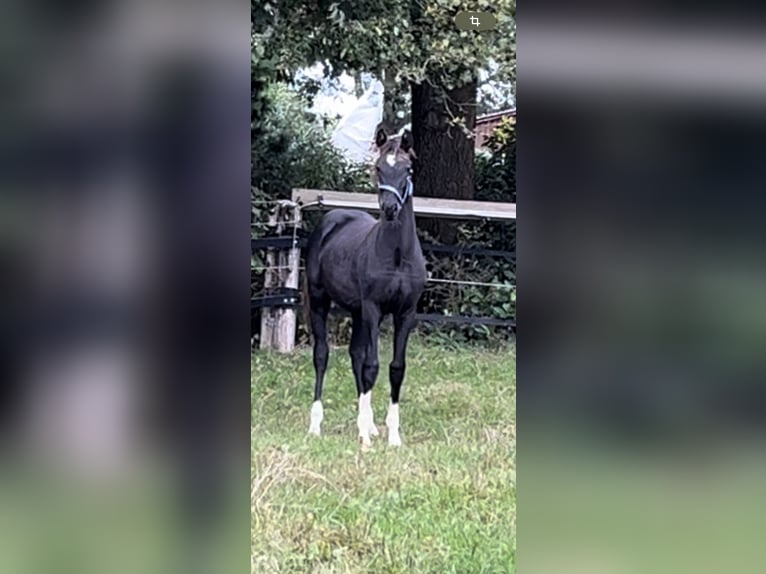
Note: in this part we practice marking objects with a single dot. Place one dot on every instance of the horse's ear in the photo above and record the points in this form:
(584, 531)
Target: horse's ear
(407, 142)
(381, 137)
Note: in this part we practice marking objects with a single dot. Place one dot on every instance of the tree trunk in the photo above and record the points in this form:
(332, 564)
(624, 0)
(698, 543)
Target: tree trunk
(445, 164)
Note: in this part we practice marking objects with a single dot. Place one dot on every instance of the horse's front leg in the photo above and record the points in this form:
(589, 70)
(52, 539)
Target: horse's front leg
(320, 308)
(358, 351)
(403, 324)
(371, 329)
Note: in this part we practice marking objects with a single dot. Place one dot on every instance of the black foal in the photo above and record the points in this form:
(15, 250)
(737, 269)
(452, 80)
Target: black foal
(371, 267)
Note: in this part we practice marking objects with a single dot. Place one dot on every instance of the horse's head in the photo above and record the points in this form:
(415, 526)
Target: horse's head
(393, 172)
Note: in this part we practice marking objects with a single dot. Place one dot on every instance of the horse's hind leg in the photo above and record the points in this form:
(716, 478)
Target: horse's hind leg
(357, 350)
(320, 307)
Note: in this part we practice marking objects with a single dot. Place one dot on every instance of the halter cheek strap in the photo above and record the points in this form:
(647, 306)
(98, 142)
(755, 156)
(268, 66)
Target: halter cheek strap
(407, 191)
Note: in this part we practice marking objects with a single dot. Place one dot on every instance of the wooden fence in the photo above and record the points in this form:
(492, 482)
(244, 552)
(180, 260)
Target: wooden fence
(285, 237)
(423, 206)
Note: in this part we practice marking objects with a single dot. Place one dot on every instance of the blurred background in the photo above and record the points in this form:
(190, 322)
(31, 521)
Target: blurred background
(641, 247)
(123, 250)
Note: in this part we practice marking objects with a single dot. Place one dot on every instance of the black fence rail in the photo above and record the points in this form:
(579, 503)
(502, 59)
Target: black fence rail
(286, 297)
(293, 298)
(301, 237)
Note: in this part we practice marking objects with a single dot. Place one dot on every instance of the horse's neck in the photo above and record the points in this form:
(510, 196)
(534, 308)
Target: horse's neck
(396, 241)
(408, 234)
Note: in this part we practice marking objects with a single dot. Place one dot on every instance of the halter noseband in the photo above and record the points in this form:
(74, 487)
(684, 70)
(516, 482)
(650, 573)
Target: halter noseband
(392, 189)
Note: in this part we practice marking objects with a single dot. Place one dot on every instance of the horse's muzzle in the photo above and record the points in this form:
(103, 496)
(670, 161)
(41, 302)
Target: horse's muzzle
(390, 211)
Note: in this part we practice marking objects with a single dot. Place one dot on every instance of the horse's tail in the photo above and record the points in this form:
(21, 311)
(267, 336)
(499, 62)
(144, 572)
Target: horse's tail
(306, 304)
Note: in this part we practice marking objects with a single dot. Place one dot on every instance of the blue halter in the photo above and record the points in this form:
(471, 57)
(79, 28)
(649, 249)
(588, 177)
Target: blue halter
(392, 189)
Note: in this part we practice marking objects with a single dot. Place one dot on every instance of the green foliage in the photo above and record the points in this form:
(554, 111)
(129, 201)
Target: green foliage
(496, 171)
(262, 71)
(292, 149)
(495, 181)
(415, 40)
(493, 294)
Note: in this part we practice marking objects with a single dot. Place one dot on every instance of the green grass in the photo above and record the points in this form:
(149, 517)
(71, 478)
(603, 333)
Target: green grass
(445, 502)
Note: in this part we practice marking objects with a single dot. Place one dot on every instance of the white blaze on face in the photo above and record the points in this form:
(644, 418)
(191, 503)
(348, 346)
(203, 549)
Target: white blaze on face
(392, 422)
(391, 159)
(317, 414)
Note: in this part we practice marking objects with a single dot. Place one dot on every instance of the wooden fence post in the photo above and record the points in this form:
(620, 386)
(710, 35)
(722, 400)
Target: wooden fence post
(289, 262)
(279, 323)
(267, 314)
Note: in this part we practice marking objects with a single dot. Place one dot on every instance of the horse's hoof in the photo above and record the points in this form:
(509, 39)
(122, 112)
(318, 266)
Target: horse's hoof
(317, 414)
(394, 440)
(374, 431)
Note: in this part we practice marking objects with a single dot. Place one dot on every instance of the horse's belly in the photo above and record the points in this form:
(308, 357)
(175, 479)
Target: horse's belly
(337, 275)
(343, 294)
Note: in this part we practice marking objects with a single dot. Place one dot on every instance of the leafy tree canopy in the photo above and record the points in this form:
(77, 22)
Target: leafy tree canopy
(413, 39)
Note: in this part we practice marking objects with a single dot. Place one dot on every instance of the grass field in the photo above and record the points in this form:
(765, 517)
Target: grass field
(445, 502)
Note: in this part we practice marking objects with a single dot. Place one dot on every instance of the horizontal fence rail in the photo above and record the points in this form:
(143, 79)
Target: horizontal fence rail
(424, 206)
(286, 242)
(293, 299)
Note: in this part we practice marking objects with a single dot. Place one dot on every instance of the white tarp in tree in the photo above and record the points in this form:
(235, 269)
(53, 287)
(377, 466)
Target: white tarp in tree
(356, 130)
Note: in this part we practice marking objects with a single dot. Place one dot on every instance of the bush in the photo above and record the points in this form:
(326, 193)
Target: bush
(291, 148)
(496, 171)
(495, 181)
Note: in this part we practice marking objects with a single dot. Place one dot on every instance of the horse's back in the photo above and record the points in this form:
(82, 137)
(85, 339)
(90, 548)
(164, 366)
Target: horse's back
(347, 219)
(340, 226)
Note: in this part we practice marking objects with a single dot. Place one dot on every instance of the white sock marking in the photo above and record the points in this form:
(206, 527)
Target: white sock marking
(373, 428)
(392, 422)
(364, 419)
(317, 414)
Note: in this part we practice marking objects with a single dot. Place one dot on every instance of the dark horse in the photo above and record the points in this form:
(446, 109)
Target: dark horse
(371, 267)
